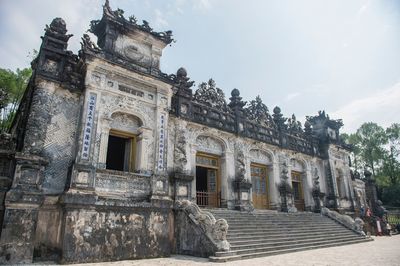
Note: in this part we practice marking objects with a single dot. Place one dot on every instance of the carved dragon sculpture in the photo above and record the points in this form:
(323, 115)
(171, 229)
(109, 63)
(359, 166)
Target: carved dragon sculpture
(215, 230)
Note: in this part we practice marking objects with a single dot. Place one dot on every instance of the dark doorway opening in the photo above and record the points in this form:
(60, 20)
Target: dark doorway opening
(116, 153)
(201, 179)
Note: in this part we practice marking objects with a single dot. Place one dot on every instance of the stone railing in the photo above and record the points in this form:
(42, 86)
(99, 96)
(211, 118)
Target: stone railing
(238, 123)
(198, 232)
(355, 225)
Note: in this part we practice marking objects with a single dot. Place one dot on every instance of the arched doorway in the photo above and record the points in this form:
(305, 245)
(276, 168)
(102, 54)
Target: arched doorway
(260, 169)
(207, 180)
(259, 179)
(297, 174)
(298, 195)
(208, 172)
(122, 142)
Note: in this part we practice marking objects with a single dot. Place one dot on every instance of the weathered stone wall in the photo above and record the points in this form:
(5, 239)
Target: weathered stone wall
(110, 234)
(48, 230)
(51, 132)
(18, 240)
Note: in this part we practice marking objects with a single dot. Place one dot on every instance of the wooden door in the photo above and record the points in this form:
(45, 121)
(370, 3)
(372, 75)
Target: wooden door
(298, 195)
(260, 186)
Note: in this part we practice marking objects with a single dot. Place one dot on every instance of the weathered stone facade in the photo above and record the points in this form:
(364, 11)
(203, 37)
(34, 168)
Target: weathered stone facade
(108, 154)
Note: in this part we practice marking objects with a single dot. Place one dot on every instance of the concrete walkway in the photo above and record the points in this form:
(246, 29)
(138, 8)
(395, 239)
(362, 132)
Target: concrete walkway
(383, 251)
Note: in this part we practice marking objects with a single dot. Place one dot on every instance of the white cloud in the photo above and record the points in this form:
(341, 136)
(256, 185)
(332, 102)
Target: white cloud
(382, 107)
(179, 5)
(363, 8)
(160, 20)
(291, 96)
(202, 4)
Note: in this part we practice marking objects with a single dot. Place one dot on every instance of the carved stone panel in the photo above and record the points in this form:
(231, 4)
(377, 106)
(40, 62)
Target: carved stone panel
(209, 145)
(125, 184)
(260, 156)
(138, 52)
(125, 122)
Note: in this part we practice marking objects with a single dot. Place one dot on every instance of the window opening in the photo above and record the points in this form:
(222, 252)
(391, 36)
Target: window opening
(121, 151)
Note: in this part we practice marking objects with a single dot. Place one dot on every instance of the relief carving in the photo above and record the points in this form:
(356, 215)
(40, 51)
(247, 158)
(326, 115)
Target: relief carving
(209, 144)
(216, 230)
(137, 53)
(180, 158)
(240, 165)
(125, 122)
(355, 225)
(130, 185)
(294, 126)
(260, 156)
(258, 112)
(210, 95)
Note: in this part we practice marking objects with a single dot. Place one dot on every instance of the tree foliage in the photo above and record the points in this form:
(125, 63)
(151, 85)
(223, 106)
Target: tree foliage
(12, 87)
(379, 149)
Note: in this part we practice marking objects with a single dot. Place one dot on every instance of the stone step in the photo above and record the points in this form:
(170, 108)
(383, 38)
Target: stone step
(279, 247)
(258, 219)
(282, 251)
(277, 244)
(289, 219)
(268, 215)
(277, 214)
(280, 229)
(261, 225)
(262, 239)
(277, 234)
(268, 233)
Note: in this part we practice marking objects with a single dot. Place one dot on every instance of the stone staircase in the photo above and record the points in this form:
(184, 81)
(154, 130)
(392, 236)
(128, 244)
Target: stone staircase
(265, 233)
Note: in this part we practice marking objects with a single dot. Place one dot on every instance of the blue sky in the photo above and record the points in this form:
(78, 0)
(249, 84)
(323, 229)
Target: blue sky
(305, 56)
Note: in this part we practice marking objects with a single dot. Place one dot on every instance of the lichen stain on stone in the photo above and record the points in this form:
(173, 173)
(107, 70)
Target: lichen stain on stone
(105, 235)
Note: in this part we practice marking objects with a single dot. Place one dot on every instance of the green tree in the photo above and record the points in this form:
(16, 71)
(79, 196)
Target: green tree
(391, 164)
(355, 141)
(12, 87)
(380, 149)
(371, 138)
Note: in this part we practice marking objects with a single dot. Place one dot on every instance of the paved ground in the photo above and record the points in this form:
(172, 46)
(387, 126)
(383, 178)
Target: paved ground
(384, 251)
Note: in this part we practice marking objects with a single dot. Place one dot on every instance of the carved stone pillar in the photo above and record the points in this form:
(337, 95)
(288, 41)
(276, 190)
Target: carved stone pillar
(307, 187)
(103, 147)
(192, 162)
(141, 149)
(274, 182)
(227, 174)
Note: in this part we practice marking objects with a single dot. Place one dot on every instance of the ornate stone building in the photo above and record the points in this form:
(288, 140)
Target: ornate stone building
(104, 144)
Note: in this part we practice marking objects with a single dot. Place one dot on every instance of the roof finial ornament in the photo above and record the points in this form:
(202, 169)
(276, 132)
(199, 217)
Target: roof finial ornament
(107, 9)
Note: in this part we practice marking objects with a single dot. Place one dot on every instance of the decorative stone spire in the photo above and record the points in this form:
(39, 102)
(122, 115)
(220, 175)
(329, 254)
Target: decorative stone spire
(236, 100)
(307, 128)
(56, 34)
(278, 118)
(183, 83)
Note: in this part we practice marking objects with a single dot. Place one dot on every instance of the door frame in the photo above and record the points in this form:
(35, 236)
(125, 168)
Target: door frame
(130, 151)
(267, 192)
(298, 180)
(217, 168)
